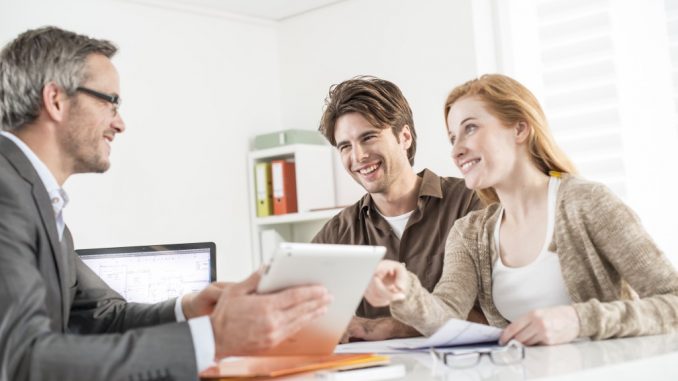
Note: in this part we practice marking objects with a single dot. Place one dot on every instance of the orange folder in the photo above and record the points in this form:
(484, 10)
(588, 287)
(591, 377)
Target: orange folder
(284, 187)
(254, 368)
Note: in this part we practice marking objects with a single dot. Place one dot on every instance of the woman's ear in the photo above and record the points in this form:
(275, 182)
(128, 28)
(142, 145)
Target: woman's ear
(522, 131)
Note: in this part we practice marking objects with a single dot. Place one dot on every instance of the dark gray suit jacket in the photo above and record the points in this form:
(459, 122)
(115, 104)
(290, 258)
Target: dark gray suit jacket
(59, 320)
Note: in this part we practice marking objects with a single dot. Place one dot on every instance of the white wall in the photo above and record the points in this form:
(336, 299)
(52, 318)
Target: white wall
(425, 47)
(195, 88)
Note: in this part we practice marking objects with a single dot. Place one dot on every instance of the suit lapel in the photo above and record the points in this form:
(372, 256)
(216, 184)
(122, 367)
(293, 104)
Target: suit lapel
(25, 169)
(68, 276)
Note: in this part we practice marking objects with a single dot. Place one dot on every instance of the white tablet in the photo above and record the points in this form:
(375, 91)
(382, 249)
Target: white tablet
(345, 270)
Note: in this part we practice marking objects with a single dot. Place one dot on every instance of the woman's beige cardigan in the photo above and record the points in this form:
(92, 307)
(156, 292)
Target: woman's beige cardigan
(602, 247)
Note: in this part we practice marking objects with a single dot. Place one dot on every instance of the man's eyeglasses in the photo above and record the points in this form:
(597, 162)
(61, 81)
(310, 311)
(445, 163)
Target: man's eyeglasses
(511, 353)
(112, 99)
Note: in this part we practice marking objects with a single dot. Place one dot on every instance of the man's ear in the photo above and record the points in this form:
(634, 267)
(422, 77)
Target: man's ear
(405, 136)
(522, 132)
(54, 101)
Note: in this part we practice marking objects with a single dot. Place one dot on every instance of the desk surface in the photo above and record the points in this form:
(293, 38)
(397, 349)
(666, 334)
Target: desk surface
(648, 358)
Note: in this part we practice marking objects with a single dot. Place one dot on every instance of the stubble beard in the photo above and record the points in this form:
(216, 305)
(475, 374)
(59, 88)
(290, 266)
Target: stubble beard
(380, 186)
(83, 149)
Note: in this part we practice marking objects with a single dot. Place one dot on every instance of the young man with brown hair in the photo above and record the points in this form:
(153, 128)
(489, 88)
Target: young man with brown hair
(370, 123)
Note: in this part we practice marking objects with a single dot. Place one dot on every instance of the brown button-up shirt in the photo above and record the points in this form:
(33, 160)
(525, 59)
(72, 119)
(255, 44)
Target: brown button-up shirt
(442, 200)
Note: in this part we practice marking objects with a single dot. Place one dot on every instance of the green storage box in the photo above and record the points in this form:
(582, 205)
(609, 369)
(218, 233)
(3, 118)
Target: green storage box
(286, 137)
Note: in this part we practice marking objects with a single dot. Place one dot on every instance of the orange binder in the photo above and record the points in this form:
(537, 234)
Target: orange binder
(254, 368)
(284, 187)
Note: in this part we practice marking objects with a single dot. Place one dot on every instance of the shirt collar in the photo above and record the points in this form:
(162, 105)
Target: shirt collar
(429, 187)
(430, 184)
(48, 179)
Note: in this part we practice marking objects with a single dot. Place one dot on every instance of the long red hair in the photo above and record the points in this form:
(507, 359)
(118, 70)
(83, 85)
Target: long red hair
(511, 102)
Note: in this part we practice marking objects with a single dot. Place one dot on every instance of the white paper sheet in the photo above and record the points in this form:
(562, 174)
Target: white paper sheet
(456, 332)
(453, 333)
(385, 346)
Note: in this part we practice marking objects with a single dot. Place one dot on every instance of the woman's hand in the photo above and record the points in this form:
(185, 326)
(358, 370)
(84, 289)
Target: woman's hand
(388, 284)
(548, 326)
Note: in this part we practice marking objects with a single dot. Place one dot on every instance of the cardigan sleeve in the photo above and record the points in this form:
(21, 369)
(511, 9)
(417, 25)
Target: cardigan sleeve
(453, 295)
(620, 240)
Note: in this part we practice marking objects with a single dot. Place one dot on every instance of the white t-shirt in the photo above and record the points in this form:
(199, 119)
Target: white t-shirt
(398, 223)
(539, 284)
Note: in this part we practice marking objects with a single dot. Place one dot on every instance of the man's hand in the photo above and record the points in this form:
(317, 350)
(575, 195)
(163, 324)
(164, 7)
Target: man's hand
(202, 303)
(388, 284)
(377, 329)
(555, 325)
(246, 323)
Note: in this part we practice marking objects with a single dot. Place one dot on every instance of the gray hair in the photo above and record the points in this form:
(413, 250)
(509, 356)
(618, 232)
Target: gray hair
(36, 58)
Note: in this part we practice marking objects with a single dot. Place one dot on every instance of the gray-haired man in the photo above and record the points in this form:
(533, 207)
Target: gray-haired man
(58, 320)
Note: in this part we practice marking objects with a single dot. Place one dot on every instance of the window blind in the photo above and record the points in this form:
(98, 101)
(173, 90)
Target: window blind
(580, 94)
(671, 7)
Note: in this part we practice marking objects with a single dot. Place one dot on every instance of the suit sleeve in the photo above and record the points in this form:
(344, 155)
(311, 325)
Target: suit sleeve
(99, 309)
(31, 349)
(619, 238)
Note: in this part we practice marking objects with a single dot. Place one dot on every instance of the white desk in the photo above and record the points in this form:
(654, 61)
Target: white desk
(650, 358)
(642, 358)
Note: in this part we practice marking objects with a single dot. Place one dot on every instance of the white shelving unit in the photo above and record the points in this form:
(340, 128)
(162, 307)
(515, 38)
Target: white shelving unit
(315, 198)
(297, 217)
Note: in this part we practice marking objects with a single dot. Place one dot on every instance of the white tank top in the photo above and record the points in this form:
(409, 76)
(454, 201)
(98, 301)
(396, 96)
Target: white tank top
(539, 284)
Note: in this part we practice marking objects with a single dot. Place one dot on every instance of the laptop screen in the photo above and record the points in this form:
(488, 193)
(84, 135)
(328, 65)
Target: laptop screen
(151, 274)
